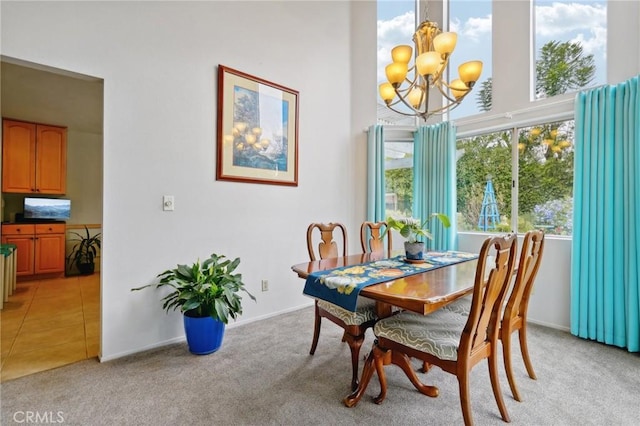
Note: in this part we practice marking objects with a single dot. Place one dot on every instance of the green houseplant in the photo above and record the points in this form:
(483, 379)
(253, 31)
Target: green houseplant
(84, 251)
(207, 294)
(415, 232)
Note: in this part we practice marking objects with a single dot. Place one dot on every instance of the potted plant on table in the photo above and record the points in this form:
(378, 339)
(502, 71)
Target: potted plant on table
(84, 252)
(415, 232)
(207, 294)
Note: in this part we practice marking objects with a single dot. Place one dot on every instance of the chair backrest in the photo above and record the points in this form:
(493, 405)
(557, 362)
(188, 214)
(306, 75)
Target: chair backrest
(371, 237)
(327, 247)
(481, 329)
(530, 257)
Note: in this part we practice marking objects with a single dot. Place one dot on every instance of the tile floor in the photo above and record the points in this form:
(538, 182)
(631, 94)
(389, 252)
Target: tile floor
(48, 324)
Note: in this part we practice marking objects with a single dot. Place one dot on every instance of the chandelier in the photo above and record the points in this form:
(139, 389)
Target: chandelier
(433, 49)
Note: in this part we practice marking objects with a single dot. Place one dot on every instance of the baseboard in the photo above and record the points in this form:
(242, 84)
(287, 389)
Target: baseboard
(182, 339)
(549, 325)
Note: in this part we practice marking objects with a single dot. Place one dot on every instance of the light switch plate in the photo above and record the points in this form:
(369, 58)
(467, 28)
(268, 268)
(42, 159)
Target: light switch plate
(167, 203)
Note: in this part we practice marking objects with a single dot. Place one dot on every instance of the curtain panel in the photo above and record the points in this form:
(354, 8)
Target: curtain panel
(375, 174)
(605, 279)
(434, 182)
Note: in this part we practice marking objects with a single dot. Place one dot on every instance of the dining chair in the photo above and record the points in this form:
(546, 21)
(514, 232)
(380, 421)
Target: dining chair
(355, 324)
(514, 317)
(515, 313)
(371, 237)
(454, 342)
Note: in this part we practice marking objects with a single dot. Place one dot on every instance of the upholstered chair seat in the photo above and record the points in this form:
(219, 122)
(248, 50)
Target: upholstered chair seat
(437, 334)
(365, 311)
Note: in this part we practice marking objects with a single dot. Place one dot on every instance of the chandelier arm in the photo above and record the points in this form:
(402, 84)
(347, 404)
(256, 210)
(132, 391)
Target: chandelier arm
(438, 77)
(408, 105)
(390, 106)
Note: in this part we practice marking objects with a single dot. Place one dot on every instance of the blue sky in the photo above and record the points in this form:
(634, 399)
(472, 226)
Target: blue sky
(583, 21)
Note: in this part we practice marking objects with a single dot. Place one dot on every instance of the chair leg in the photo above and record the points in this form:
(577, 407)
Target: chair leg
(367, 371)
(316, 331)
(506, 354)
(379, 360)
(522, 335)
(355, 343)
(465, 402)
(495, 384)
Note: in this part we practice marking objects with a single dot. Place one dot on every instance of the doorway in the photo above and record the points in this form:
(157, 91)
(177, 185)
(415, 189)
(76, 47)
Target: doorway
(41, 94)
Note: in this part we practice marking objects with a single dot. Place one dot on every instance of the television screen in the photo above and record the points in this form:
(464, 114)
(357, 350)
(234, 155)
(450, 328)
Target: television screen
(47, 208)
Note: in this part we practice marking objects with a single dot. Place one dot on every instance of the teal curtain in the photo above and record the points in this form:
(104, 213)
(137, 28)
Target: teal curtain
(605, 280)
(434, 181)
(375, 174)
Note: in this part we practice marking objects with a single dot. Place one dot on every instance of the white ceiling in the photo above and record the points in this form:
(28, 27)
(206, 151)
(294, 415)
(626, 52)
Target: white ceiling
(40, 94)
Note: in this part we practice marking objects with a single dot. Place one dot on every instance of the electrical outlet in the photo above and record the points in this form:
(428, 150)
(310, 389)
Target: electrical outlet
(265, 285)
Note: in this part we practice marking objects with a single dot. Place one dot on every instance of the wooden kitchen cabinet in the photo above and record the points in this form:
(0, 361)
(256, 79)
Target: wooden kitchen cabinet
(41, 247)
(34, 158)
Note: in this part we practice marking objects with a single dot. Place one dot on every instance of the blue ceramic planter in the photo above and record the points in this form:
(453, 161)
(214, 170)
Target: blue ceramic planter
(414, 251)
(204, 334)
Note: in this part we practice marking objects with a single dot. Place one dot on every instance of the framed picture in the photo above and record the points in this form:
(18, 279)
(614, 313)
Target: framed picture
(257, 130)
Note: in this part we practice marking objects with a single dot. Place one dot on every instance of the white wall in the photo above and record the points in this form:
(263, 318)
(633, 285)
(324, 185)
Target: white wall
(159, 63)
(549, 303)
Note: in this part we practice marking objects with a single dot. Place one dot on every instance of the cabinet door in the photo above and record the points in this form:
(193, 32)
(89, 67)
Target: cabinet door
(51, 160)
(25, 249)
(18, 156)
(49, 252)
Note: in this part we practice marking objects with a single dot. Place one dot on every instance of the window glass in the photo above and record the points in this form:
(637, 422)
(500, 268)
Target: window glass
(396, 25)
(484, 182)
(472, 21)
(398, 176)
(570, 45)
(545, 178)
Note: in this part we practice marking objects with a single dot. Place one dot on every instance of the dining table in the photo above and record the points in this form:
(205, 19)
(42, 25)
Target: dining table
(422, 293)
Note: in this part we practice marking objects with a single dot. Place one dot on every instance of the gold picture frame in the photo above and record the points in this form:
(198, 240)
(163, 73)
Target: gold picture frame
(257, 130)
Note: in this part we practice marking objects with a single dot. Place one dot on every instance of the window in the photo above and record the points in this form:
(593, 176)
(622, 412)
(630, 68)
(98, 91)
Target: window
(398, 177)
(396, 25)
(484, 182)
(472, 21)
(545, 178)
(570, 46)
(543, 196)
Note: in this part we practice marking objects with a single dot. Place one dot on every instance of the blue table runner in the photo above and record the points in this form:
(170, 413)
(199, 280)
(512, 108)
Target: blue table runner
(341, 286)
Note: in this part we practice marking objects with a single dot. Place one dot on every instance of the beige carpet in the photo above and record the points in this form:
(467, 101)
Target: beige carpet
(263, 375)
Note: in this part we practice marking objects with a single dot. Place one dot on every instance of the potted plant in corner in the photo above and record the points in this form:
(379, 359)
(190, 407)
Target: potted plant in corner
(84, 252)
(414, 231)
(207, 294)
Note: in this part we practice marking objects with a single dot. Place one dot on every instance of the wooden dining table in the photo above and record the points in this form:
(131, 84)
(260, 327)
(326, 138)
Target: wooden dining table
(422, 293)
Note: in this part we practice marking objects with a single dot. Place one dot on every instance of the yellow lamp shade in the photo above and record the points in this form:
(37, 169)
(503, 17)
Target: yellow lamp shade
(458, 88)
(428, 63)
(470, 72)
(444, 43)
(401, 54)
(396, 72)
(387, 92)
(415, 97)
